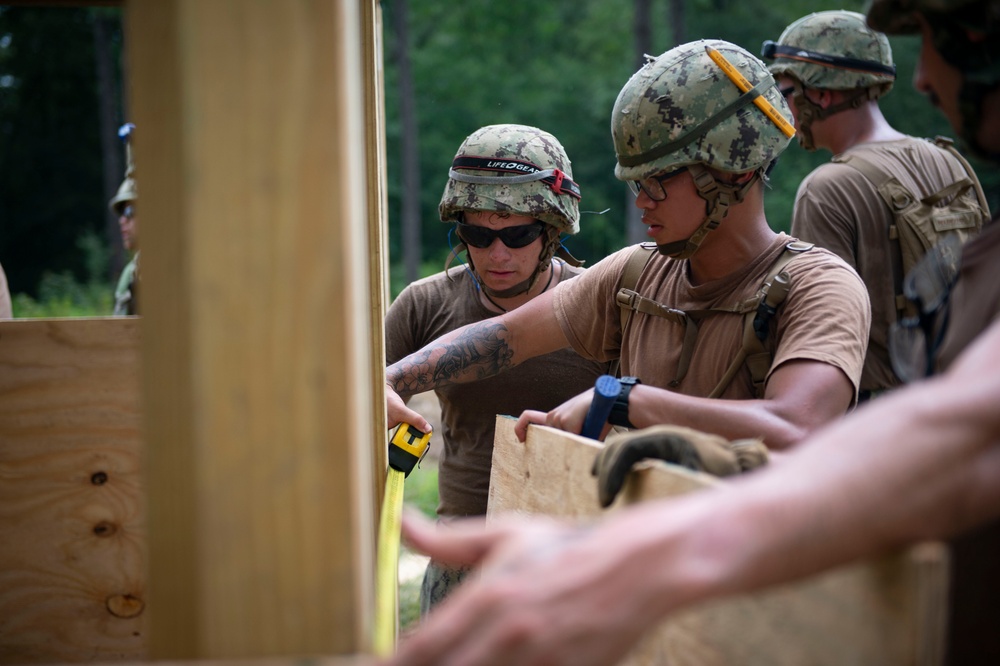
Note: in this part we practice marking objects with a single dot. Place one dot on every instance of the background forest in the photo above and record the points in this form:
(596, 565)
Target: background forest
(449, 69)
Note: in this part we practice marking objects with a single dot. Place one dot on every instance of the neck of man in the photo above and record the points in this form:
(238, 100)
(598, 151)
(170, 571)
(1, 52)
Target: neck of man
(741, 237)
(852, 127)
(546, 280)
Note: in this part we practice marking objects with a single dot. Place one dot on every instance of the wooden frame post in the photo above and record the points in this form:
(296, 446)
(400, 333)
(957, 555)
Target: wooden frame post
(259, 302)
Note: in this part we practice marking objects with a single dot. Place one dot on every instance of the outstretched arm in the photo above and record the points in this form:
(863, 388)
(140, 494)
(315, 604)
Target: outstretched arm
(800, 397)
(475, 351)
(923, 462)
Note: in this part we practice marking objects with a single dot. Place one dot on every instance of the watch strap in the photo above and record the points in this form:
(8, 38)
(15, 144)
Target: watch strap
(619, 411)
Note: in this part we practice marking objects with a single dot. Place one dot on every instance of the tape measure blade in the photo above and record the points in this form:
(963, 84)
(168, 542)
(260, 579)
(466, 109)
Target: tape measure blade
(387, 566)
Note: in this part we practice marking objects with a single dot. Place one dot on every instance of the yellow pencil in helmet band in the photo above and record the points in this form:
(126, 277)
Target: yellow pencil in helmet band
(744, 85)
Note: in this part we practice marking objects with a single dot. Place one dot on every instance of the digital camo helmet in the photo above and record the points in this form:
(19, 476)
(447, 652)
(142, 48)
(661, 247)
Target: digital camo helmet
(950, 23)
(682, 109)
(127, 191)
(515, 169)
(834, 50)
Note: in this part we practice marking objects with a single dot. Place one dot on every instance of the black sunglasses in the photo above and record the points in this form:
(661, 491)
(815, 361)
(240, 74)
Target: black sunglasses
(513, 237)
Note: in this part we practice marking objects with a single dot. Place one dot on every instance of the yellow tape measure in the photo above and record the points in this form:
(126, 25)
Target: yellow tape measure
(406, 448)
(387, 567)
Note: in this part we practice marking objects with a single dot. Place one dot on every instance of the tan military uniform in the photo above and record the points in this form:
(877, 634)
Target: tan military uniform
(824, 318)
(838, 208)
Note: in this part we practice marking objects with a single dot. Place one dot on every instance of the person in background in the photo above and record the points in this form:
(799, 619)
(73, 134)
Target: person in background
(123, 205)
(922, 462)
(834, 69)
(510, 195)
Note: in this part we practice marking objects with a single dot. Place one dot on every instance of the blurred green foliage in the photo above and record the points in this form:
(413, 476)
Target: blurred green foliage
(559, 66)
(52, 189)
(421, 488)
(63, 295)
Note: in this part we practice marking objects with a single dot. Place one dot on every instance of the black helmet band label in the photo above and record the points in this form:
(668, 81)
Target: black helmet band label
(525, 172)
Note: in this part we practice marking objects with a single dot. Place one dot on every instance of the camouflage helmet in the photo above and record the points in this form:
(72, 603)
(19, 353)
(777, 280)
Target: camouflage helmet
(127, 191)
(834, 50)
(682, 109)
(513, 169)
(707, 107)
(520, 170)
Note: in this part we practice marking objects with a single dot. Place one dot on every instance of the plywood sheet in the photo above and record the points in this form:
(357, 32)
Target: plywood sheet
(885, 611)
(72, 549)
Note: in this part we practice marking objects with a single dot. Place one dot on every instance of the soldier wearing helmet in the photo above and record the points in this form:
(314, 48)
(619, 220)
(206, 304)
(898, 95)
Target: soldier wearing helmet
(696, 149)
(123, 205)
(922, 463)
(510, 195)
(834, 68)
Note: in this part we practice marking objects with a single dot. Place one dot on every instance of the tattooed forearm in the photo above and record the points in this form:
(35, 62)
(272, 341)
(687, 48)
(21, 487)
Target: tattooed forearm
(480, 350)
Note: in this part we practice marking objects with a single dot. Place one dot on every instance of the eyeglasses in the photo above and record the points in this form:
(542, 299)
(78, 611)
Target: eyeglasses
(653, 186)
(128, 212)
(513, 237)
(785, 92)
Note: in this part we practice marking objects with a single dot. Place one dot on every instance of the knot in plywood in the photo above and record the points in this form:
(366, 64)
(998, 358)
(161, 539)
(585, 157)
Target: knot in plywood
(124, 605)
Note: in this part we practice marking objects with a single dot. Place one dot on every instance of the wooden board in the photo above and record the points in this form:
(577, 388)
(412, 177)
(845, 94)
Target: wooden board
(72, 529)
(885, 611)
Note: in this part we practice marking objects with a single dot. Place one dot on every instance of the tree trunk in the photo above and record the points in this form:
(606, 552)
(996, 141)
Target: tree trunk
(635, 230)
(677, 31)
(409, 146)
(112, 152)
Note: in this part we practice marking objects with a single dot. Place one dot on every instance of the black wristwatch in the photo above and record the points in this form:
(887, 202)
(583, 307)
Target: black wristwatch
(619, 411)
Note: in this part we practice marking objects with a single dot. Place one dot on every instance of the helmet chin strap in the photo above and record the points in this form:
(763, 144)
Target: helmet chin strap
(718, 196)
(809, 111)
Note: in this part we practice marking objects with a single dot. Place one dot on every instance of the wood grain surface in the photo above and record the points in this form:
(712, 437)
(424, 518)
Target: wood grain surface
(72, 550)
(883, 611)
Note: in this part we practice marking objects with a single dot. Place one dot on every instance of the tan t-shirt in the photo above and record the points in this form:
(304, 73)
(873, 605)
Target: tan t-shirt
(433, 306)
(824, 318)
(838, 208)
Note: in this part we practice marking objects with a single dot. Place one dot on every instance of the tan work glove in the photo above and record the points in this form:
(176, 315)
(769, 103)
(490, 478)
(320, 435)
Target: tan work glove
(688, 448)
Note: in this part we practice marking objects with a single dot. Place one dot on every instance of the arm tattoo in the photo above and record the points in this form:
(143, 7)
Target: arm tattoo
(480, 351)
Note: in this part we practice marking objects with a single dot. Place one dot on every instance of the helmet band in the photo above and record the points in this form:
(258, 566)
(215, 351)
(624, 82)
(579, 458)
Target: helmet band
(773, 51)
(700, 130)
(526, 172)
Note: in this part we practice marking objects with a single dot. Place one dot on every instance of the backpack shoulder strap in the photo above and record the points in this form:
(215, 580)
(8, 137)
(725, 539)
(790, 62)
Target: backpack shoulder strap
(756, 323)
(945, 143)
(627, 297)
(630, 278)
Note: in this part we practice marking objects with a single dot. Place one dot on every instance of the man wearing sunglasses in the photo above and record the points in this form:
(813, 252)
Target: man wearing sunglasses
(834, 69)
(510, 195)
(123, 205)
(698, 161)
